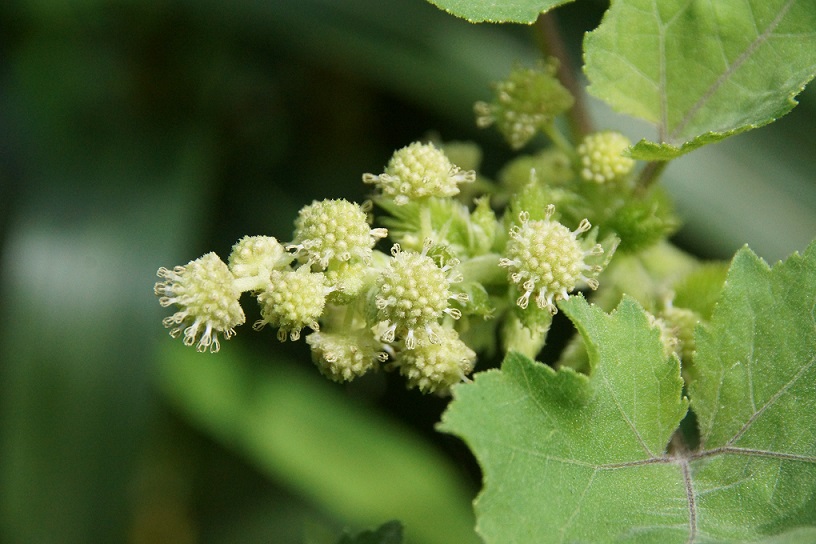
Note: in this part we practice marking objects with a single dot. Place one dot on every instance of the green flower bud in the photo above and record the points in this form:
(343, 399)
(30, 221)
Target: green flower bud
(205, 292)
(526, 102)
(435, 367)
(414, 293)
(549, 167)
(294, 299)
(345, 355)
(546, 258)
(419, 171)
(602, 158)
(334, 230)
(642, 222)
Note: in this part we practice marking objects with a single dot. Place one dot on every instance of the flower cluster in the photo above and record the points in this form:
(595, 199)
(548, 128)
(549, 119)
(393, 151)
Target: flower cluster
(207, 298)
(602, 157)
(444, 286)
(526, 102)
(363, 307)
(419, 171)
(545, 258)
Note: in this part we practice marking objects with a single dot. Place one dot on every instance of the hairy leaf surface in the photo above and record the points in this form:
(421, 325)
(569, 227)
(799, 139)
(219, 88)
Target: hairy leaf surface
(575, 458)
(701, 70)
(491, 11)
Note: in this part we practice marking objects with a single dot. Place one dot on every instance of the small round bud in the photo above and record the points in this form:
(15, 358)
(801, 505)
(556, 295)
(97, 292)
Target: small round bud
(413, 293)
(256, 256)
(334, 230)
(204, 291)
(346, 355)
(435, 367)
(527, 101)
(602, 158)
(294, 299)
(546, 258)
(419, 171)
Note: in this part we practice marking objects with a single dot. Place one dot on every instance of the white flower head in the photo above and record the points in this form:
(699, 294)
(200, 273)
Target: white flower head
(205, 292)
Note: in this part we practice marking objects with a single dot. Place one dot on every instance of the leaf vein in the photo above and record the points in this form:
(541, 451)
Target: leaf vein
(738, 62)
(771, 401)
(611, 391)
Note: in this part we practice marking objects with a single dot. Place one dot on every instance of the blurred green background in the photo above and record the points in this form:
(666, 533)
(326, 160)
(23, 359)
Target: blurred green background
(136, 134)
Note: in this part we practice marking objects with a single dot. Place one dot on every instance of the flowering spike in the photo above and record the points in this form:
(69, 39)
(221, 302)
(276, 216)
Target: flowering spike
(602, 158)
(418, 171)
(545, 258)
(334, 231)
(204, 291)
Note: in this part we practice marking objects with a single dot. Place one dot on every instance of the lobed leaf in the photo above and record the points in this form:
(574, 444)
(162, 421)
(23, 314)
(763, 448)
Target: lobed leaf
(560, 450)
(490, 11)
(574, 458)
(701, 70)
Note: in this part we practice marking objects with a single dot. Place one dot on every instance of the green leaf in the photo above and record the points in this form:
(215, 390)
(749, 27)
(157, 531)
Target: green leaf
(490, 11)
(574, 458)
(701, 70)
(561, 451)
(755, 395)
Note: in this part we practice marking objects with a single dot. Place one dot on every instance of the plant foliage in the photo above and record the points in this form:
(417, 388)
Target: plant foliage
(701, 71)
(511, 11)
(575, 458)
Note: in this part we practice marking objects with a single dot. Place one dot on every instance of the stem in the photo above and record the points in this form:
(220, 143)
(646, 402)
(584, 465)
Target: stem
(560, 141)
(252, 283)
(552, 45)
(650, 173)
(425, 223)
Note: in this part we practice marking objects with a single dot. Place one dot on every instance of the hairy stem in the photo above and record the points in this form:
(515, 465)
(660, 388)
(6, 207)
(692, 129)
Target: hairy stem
(650, 173)
(552, 44)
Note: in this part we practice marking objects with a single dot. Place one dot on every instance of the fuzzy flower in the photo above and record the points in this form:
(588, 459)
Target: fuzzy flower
(602, 158)
(413, 294)
(419, 171)
(434, 368)
(545, 258)
(343, 356)
(334, 230)
(293, 300)
(526, 102)
(205, 292)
